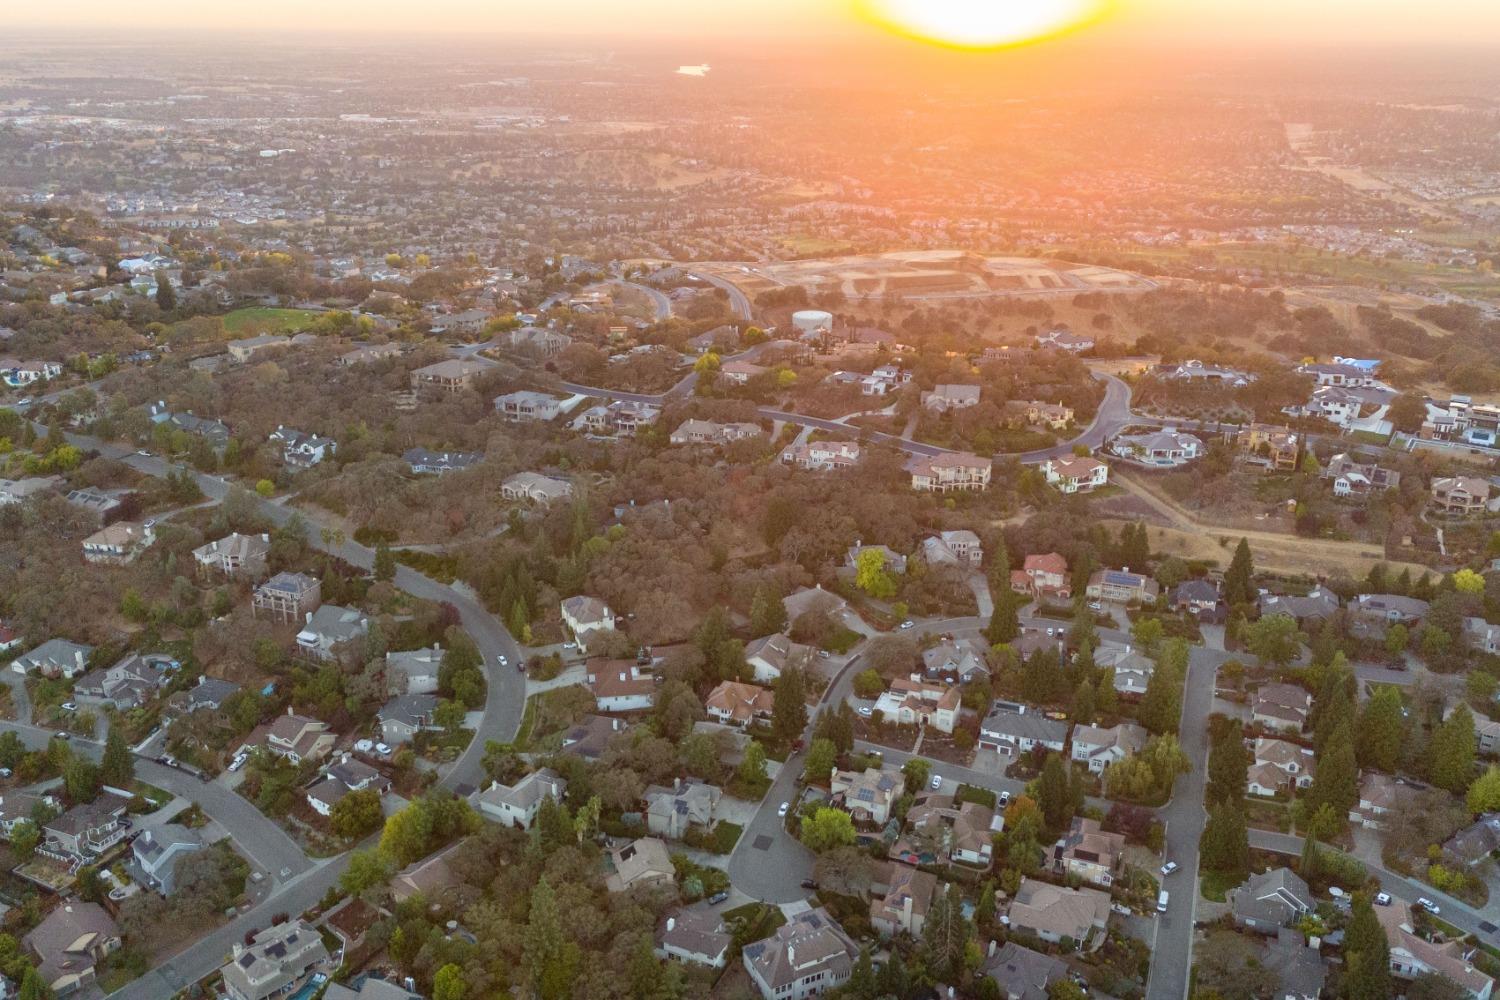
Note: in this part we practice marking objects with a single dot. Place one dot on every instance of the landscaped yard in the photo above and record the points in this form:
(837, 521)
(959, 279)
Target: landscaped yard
(255, 320)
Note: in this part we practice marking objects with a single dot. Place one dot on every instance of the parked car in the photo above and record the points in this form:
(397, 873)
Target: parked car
(785, 806)
(1382, 899)
(144, 453)
(1168, 868)
(808, 883)
(238, 762)
(62, 734)
(908, 624)
(717, 898)
(502, 660)
(382, 749)
(866, 711)
(1095, 606)
(1004, 799)
(1428, 905)
(70, 706)
(824, 654)
(364, 746)
(937, 781)
(5, 772)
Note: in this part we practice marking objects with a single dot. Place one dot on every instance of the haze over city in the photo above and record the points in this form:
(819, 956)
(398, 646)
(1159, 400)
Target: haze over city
(865, 499)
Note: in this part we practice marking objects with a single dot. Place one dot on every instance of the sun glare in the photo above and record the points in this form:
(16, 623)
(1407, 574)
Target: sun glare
(982, 24)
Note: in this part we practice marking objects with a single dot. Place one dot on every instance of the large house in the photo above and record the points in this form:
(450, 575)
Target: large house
(244, 349)
(1351, 479)
(1276, 448)
(272, 961)
(903, 908)
(1281, 706)
(953, 548)
(1270, 901)
(119, 543)
(1015, 729)
(300, 450)
(235, 555)
(1120, 586)
(640, 864)
(959, 831)
(585, 615)
(87, 830)
(950, 472)
(1058, 915)
(439, 463)
(947, 397)
(54, 658)
(345, 776)
(694, 935)
(1021, 973)
(1461, 495)
(1075, 474)
(413, 671)
(891, 560)
(1042, 576)
(1099, 748)
(620, 686)
(535, 487)
(527, 406)
(820, 456)
(328, 628)
(452, 375)
(737, 704)
(129, 683)
(769, 655)
(288, 597)
(295, 737)
(914, 701)
(1162, 449)
(1279, 764)
(1413, 955)
(155, 853)
(404, 716)
(961, 659)
(517, 805)
(1087, 853)
(1340, 374)
(622, 418)
(807, 956)
(74, 938)
(671, 812)
(869, 794)
(711, 433)
(1379, 796)
(1065, 340)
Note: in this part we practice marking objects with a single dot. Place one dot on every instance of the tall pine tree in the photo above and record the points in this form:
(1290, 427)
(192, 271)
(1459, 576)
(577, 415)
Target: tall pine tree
(1239, 585)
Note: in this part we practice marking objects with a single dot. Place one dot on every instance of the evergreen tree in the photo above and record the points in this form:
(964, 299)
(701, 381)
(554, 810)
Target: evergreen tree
(861, 984)
(1367, 955)
(1336, 777)
(1239, 586)
(767, 613)
(1135, 547)
(117, 766)
(1226, 841)
(945, 934)
(1380, 730)
(1311, 861)
(1054, 794)
(385, 563)
(166, 295)
(1450, 755)
(789, 710)
(1228, 767)
(1004, 625)
(1161, 705)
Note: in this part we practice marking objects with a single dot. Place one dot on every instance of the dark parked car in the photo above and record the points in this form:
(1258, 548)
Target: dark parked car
(808, 883)
(717, 898)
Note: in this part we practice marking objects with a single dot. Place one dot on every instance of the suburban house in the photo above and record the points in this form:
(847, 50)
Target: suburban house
(1413, 955)
(620, 686)
(1388, 609)
(439, 463)
(1065, 340)
(961, 659)
(869, 794)
(740, 372)
(769, 655)
(74, 938)
(903, 908)
(413, 671)
(1297, 964)
(368, 353)
(119, 543)
(1461, 495)
(1166, 448)
(737, 704)
(16, 807)
(694, 935)
(467, 323)
(300, 450)
(1318, 605)
(1099, 748)
(622, 418)
(404, 716)
(1058, 915)
(536, 342)
(1017, 729)
(960, 831)
(1278, 449)
(1352, 479)
(96, 502)
(1042, 576)
(945, 397)
(1086, 852)
(821, 456)
(1132, 669)
(712, 433)
(1339, 373)
(585, 615)
(328, 628)
(345, 776)
(1198, 597)
(1053, 415)
(1197, 371)
(1475, 842)
(950, 472)
(235, 555)
(452, 375)
(215, 432)
(590, 738)
(808, 955)
(288, 597)
(640, 864)
(155, 853)
(1021, 973)
(1281, 706)
(517, 805)
(1279, 764)
(535, 487)
(890, 559)
(54, 658)
(1075, 474)
(274, 960)
(246, 348)
(13, 491)
(1269, 901)
(527, 406)
(671, 812)
(1120, 586)
(86, 830)
(295, 737)
(915, 701)
(953, 548)
(432, 877)
(1484, 637)
(1379, 795)
(129, 683)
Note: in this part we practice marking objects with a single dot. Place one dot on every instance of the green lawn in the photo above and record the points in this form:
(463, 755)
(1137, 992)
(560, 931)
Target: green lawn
(1216, 884)
(263, 319)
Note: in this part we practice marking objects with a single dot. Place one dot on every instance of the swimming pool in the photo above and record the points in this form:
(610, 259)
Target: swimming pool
(310, 987)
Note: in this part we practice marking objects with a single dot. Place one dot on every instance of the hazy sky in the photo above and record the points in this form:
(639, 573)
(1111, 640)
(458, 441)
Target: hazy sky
(1281, 22)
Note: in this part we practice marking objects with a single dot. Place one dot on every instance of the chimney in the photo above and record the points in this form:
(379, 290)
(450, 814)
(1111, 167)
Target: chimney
(992, 947)
(309, 617)
(676, 784)
(671, 923)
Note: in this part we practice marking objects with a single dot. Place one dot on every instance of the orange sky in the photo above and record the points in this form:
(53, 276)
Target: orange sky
(1278, 22)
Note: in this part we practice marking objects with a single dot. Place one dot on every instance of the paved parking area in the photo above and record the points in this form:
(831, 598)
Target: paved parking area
(991, 762)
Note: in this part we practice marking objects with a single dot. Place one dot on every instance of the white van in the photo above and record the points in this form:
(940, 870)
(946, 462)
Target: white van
(1161, 902)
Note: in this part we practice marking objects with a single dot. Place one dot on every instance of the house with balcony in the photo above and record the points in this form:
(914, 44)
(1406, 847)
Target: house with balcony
(526, 406)
(449, 376)
(709, 432)
(234, 555)
(1276, 449)
(1043, 576)
(1350, 479)
(274, 960)
(423, 462)
(535, 488)
(822, 456)
(87, 830)
(118, 544)
(295, 737)
(1089, 854)
(1075, 474)
(517, 805)
(950, 472)
(70, 943)
(621, 418)
(329, 628)
(1460, 496)
(287, 597)
(807, 956)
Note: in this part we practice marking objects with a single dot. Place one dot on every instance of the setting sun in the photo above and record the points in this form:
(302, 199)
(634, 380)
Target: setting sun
(982, 23)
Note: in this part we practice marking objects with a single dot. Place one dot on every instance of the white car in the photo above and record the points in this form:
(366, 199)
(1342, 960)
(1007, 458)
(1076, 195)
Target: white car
(1004, 799)
(24, 401)
(570, 645)
(364, 746)
(502, 660)
(1428, 905)
(1168, 868)
(1095, 606)
(382, 749)
(866, 711)
(69, 706)
(785, 807)
(937, 781)
(908, 624)
(144, 453)
(238, 762)
(824, 654)
(1382, 899)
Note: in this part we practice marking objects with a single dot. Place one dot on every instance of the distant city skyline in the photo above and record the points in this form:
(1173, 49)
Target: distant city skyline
(1284, 23)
